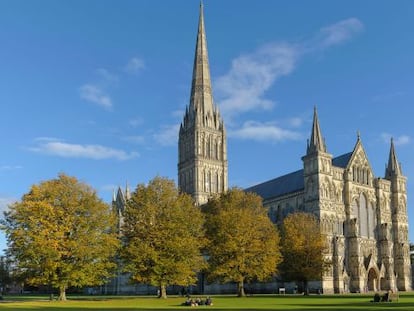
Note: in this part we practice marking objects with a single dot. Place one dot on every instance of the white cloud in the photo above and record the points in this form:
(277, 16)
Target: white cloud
(268, 132)
(96, 95)
(338, 33)
(251, 75)
(168, 135)
(295, 122)
(135, 65)
(398, 141)
(95, 152)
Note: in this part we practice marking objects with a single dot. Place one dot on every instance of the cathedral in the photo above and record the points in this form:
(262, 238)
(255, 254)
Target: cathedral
(363, 217)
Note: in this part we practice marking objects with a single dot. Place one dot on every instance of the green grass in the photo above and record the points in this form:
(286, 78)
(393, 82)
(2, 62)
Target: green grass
(354, 302)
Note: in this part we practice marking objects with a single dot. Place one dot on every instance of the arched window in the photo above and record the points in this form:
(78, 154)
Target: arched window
(363, 216)
(372, 221)
(214, 183)
(203, 147)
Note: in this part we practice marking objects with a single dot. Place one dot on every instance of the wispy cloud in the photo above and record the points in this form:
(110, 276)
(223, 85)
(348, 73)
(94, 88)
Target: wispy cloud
(106, 76)
(134, 65)
(243, 88)
(167, 135)
(95, 152)
(10, 167)
(96, 95)
(268, 132)
(336, 34)
(387, 97)
(135, 122)
(251, 75)
(137, 139)
(398, 140)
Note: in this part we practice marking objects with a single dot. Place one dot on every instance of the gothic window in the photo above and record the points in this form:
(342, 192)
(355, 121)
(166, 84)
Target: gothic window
(191, 185)
(214, 183)
(354, 210)
(202, 146)
(371, 221)
(207, 151)
(363, 216)
(214, 149)
(207, 181)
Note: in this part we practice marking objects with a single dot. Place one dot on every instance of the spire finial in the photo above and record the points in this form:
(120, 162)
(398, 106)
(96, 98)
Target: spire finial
(201, 98)
(393, 167)
(317, 142)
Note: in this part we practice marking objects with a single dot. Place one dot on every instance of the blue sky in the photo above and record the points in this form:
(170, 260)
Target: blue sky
(97, 89)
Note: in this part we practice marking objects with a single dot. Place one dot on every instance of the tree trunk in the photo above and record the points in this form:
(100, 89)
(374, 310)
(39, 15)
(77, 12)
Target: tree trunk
(240, 289)
(163, 291)
(305, 288)
(62, 293)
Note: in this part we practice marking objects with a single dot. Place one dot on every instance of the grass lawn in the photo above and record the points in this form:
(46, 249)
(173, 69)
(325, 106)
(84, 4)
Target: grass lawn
(355, 302)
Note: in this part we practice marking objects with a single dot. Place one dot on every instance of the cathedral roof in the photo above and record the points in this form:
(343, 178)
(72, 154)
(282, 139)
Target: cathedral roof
(342, 160)
(279, 186)
(292, 182)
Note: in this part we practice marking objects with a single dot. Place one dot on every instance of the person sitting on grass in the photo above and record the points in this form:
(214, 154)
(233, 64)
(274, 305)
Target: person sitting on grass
(209, 301)
(377, 298)
(386, 297)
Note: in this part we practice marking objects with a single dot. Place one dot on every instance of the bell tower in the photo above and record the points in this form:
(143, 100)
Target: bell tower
(202, 145)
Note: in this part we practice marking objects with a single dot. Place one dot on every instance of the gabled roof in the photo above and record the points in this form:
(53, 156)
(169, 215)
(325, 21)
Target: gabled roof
(292, 182)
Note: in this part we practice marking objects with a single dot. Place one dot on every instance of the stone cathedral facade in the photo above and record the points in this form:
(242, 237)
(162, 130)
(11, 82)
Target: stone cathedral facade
(363, 217)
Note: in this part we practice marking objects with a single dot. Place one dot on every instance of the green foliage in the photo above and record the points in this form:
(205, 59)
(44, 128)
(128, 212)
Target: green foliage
(243, 242)
(61, 234)
(303, 248)
(163, 236)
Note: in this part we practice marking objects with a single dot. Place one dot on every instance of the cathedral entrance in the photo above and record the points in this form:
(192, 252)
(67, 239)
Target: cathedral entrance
(372, 282)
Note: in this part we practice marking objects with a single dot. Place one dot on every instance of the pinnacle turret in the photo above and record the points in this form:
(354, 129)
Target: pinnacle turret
(316, 141)
(393, 168)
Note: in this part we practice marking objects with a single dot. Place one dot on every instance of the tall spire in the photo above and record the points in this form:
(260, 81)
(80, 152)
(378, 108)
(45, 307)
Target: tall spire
(201, 98)
(316, 141)
(393, 167)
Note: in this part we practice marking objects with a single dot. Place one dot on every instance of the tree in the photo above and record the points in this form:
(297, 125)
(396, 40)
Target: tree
(163, 236)
(5, 274)
(303, 248)
(243, 242)
(61, 234)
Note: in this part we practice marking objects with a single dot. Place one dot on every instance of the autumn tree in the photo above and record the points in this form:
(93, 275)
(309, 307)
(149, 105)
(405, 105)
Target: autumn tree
(163, 236)
(61, 234)
(303, 248)
(243, 243)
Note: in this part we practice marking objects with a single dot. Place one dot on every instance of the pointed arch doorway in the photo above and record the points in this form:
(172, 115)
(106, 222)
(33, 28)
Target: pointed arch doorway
(373, 280)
